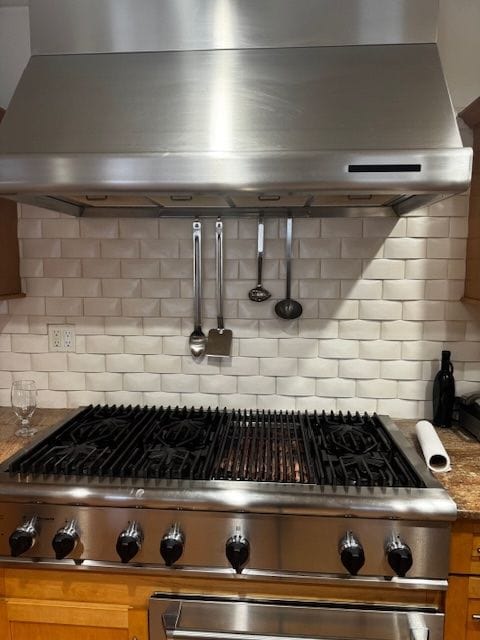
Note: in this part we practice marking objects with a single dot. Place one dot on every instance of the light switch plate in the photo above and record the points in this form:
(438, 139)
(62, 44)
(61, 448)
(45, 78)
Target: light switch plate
(61, 337)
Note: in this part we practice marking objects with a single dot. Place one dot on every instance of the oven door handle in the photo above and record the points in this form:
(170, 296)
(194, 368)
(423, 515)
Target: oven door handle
(171, 619)
(173, 630)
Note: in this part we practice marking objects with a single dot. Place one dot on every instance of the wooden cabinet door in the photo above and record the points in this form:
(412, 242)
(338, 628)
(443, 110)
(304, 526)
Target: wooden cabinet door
(53, 620)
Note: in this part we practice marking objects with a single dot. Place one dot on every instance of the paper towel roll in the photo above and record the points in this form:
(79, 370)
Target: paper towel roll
(436, 457)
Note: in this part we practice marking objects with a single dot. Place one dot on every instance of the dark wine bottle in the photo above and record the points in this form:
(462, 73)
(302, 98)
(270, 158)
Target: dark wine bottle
(444, 393)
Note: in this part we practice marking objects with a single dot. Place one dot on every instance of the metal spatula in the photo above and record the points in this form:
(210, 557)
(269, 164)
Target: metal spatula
(219, 343)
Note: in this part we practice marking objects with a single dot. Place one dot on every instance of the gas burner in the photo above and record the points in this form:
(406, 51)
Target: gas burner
(348, 438)
(365, 471)
(181, 433)
(100, 431)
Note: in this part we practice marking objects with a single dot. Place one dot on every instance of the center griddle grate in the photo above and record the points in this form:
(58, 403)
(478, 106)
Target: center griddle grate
(196, 444)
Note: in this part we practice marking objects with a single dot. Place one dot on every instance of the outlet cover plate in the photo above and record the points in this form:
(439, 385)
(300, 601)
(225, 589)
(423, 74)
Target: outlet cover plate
(61, 337)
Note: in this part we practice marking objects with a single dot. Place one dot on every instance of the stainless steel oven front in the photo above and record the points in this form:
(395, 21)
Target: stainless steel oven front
(225, 618)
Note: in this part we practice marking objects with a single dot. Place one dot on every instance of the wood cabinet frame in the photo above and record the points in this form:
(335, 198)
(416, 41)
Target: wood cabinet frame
(471, 116)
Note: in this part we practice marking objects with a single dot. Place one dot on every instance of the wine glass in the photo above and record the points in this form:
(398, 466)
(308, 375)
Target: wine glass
(24, 403)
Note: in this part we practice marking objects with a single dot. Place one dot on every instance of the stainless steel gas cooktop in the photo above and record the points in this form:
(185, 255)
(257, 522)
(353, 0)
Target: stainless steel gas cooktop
(309, 493)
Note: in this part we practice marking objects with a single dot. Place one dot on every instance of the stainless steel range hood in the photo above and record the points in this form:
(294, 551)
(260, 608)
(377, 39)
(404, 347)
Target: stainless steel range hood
(352, 129)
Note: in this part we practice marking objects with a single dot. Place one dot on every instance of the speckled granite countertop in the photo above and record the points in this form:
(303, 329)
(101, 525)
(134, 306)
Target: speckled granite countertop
(462, 483)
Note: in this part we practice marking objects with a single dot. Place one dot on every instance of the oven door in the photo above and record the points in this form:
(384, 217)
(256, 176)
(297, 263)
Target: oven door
(197, 618)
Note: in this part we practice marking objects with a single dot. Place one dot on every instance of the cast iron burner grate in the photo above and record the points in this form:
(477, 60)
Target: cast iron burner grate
(211, 444)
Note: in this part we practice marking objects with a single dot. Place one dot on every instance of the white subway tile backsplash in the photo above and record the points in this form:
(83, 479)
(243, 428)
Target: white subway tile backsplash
(141, 382)
(162, 363)
(377, 388)
(297, 348)
(381, 298)
(76, 248)
(142, 228)
(370, 248)
(143, 344)
(384, 269)
(335, 387)
(338, 349)
(401, 370)
(341, 268)
(122, 287)
(384, 227)
(28, 343)
(426, 269)
(81, 288)
(124, 363)
(99, 228)
(123, 326)
(86, 362)
(40, 248)
(444, 290)
(60, 268)
(380, 349)
(180, 383)
(218, 384)
(59, 228)
(318, 289)
(423, 310)
(256, 384)
(295, 386)
(427, 227)
(404, 289)
(32, 268)
(359, 329)
(102, 307)
(405, 248)
(144, 269)
(341, 228)
(361, 289)
(317, 367)
(28, 306)
(66, 380)
(120, 248)
(380, 310)
(241, 366)
(359, 369)
(137, 307)
(29, 229)
(105, 344)
(446, 248)
(401, 330)
(262, 348)
(278, 367)
(84, 398)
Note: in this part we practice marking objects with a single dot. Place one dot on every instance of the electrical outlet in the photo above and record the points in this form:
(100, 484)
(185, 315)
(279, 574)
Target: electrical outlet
(61, 337)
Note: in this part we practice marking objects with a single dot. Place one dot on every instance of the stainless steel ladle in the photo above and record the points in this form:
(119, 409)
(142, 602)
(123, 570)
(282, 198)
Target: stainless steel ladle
(259, 293)
(288, 309)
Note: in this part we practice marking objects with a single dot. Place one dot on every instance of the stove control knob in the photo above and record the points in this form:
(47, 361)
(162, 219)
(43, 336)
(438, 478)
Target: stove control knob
(399, 556)
(351, 553)
(237, 551)
(65, 540)
(24, 537)
(171, 545)
(129, 542)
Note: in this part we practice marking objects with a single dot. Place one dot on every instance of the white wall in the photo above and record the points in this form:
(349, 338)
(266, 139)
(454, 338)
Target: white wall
(459, 44)
(14, 49)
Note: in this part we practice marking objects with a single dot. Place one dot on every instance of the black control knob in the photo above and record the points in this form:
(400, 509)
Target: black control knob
(171, 545)
(24, 537)
(399, 556)
(65, 540)
(129, 542)
(351, 553)
(237, 551)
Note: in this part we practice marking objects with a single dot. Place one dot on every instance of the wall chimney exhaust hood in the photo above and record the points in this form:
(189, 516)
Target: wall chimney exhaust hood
(161, 107)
